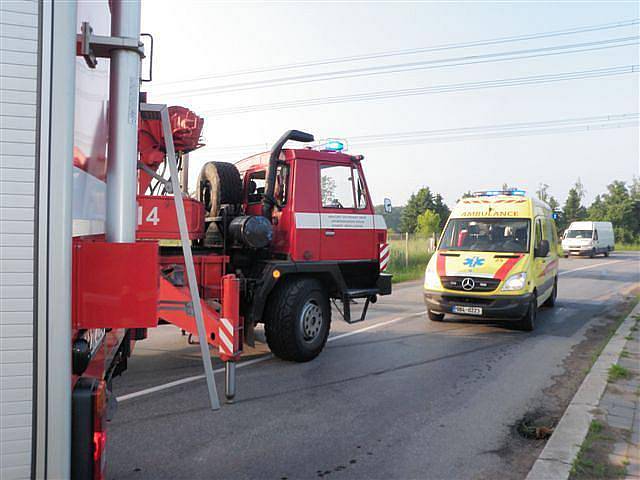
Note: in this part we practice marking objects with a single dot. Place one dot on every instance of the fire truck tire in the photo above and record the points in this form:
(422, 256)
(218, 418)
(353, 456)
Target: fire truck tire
(298, 319)
(219, 183)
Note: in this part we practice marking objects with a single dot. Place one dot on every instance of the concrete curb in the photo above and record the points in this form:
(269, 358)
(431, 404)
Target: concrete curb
(556, 459)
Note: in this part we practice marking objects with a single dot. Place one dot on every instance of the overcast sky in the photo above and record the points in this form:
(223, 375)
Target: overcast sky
(205, 39)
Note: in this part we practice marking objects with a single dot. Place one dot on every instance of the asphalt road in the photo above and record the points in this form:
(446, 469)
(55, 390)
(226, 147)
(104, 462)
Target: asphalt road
(405, 398)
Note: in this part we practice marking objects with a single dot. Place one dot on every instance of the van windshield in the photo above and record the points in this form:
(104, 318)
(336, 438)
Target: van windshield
(487, 235)
(579, 234)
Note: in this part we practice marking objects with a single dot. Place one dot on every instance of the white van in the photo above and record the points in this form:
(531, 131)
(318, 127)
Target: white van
(588, 238)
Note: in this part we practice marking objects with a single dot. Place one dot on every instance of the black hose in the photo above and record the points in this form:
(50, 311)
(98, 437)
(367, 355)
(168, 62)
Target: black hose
(268, 200)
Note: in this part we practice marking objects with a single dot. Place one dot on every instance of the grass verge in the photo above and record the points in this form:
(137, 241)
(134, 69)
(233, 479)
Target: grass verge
(614, 327)
(592, 459)
(408, 260)
(627, 247)
(616, 372)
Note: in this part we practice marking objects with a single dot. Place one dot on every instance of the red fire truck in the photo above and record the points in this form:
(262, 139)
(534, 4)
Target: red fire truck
(94, 181)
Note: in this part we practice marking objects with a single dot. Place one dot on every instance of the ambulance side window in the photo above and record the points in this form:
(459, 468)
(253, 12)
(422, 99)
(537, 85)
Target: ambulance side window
(538, 237)
(553, 234)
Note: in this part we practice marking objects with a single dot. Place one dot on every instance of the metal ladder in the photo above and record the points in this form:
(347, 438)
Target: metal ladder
(161, 111)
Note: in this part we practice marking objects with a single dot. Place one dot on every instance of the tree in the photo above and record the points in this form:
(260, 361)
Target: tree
(428, 223)
(544, 195)
(328, 189)
(619, 207)
(420, 201)
(543, 192)
(391, 219)
(573, 209)
(441, 209)
(597, 211)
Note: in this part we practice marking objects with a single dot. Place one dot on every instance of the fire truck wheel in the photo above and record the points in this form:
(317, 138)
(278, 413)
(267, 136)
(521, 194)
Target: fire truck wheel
(297, 319)
(219, 184)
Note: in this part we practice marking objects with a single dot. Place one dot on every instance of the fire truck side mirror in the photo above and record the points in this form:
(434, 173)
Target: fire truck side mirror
(387, 205)
(148, 55)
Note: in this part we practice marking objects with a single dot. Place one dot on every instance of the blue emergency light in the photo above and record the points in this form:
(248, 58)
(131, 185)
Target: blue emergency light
(334, 146)
(493, 193)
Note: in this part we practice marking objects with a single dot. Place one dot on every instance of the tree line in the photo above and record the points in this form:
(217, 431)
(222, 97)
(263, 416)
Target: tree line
(426, 212)
(620, 205)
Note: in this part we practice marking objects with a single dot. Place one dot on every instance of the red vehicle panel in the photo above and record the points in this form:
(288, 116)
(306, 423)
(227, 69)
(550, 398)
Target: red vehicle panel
(157, 218)
(115, 285)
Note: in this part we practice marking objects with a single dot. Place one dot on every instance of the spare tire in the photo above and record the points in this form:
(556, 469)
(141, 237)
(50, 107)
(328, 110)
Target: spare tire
(219, 184)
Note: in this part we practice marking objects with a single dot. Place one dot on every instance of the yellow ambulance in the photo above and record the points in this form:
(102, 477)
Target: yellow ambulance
(497, 258)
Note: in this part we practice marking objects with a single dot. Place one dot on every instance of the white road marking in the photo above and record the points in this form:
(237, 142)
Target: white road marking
(195, 378)
(182, 381)
(590, 266)
(372, 327)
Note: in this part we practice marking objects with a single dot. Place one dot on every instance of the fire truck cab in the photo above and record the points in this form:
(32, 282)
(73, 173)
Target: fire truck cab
(326, 237)
(300, 231)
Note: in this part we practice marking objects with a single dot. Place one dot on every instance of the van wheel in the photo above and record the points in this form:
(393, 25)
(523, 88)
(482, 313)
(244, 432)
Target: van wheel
(551, 301)
(435, 317)
(606, 253)
(593, 253)
(528, 322)
(298, 319)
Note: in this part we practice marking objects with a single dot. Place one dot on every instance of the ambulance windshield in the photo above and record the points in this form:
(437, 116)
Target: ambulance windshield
(487, 235)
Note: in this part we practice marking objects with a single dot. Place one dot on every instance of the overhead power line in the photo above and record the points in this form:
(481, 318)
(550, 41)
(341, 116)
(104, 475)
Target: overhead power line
(433, 89)
(412, 66)
(575, 124)
(411, 51)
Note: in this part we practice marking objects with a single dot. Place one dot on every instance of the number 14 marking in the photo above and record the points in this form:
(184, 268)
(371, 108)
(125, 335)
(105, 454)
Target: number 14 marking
(152, 217)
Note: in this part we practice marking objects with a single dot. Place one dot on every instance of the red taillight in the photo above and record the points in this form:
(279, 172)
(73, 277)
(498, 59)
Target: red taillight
(99, 432)
(99, 444)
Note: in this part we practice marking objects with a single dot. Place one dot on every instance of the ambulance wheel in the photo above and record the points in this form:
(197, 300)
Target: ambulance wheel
(298, 319)
(435, 317)
(219, 184)
(528, 322)
(551, 301)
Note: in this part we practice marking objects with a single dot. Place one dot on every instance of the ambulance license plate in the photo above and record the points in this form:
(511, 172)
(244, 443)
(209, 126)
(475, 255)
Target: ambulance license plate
(467, 310)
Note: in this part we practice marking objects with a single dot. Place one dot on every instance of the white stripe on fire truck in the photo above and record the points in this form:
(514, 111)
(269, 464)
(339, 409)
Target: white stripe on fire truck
(227, 325)
(225, 342)
(384, 255)
(340, 221)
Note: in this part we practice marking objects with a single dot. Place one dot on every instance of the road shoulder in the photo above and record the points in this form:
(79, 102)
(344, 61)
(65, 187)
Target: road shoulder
(557, 458)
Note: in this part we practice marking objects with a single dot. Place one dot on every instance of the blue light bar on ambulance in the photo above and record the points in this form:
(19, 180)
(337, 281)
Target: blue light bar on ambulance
(493, 193)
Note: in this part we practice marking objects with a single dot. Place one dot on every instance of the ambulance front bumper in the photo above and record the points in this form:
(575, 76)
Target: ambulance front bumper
(494, 306)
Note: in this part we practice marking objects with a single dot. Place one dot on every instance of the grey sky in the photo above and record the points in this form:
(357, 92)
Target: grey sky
(195, 39)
